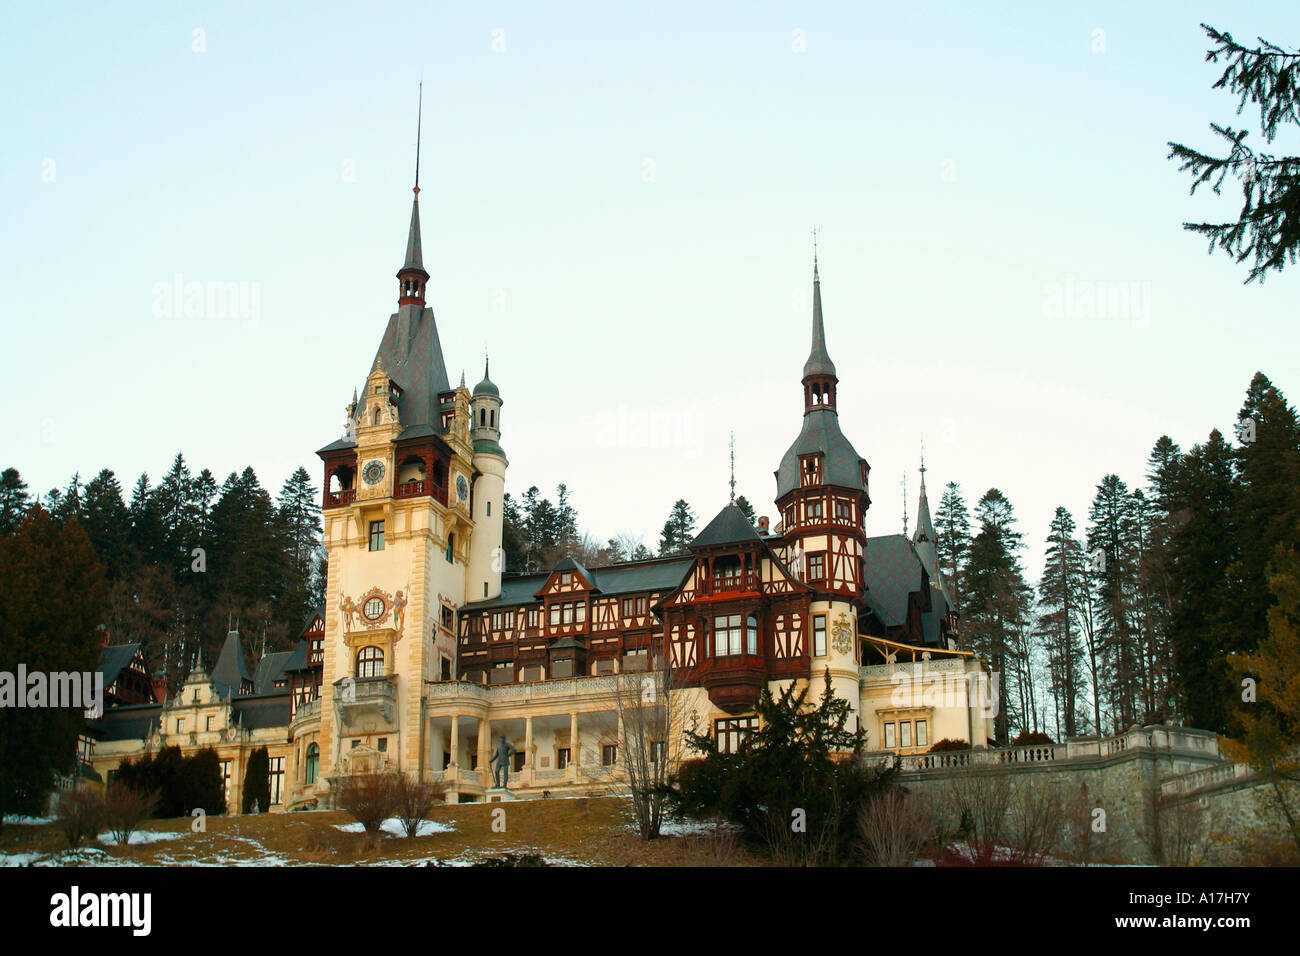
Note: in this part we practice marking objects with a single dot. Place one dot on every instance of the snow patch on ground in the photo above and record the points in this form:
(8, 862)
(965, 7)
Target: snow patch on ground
(27, 821)
(393, 827)
(140, 837)
(86, 856)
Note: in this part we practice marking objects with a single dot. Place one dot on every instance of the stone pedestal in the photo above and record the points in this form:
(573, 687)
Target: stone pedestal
(498, 795)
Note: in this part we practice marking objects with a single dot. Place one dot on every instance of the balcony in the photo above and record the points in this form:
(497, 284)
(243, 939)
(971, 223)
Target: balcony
(730, 584)
(337, 499)
(733, 681)
(367, 697)
(306, 710)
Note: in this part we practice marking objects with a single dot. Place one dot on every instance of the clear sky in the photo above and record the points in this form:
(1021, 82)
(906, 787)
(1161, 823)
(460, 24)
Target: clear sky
(617, 203)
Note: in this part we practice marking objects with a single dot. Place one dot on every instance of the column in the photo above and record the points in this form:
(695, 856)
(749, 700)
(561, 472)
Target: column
(574, 748)
(485, 750)
(526, 776)
(455, 743)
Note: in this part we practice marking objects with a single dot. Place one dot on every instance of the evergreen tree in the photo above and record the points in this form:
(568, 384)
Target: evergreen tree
(1203, 546)
(1112, 530)
(146, 526)
(14, 500)
(567, 538)
(743, 504)
(1059, 608)
(998, 609)
(513, 544)
(51, 601)
(952, 538)
(298, 517)
(257, 781)
(1268, 227)
(179, 514)
(677, 536)
(70, 504)
(108, 524)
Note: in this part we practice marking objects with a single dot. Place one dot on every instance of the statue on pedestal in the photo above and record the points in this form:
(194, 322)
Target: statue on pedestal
(500, 762)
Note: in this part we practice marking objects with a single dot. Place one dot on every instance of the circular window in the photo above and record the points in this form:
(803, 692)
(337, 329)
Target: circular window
(374, 608)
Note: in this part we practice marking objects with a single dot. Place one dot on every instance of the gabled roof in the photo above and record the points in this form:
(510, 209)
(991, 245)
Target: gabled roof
(571, 564)
(114, 660)
(893, 571)
(729, 526)
(231, 669)
(270, 669)
(298, 659)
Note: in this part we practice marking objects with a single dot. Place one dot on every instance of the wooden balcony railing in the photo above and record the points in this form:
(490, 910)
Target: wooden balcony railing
(336, 499)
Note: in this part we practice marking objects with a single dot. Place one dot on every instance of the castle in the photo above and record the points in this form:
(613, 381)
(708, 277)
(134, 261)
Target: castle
(427, 650)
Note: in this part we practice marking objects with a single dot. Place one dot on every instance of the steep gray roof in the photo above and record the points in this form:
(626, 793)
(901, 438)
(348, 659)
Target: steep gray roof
(411, 355)
(729, 526)
(893, 569)
(298, 659)
(114, 660)
(414, 252)
(270, 669)
(231, 668)
(821, 433)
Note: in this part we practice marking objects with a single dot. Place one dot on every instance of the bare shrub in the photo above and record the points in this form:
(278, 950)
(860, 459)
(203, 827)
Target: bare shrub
(370, 798)
(1035, 831)
(895, 827)
(80, 815)
(979, 808)
(415, 800)
(1184, 836)
(125, 808)
(719, 846)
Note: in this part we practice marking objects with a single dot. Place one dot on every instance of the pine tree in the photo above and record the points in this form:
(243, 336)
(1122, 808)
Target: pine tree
(677, 536)
(179, 514)
(257, 781)
(1059, 608)
(1203, 546)
(1112, 530)
(513, 543)
(567, 537)
(953, 540)
(998, 609)
(298, 518)
(51, 602)
(14, 500)
(108, 524)
(1268, 227)
(743, 504)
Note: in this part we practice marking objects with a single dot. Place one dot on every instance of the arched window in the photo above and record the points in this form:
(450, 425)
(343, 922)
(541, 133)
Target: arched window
(751, 634)
(482, 416)
(376, 416)
(451, 546)
(492, 418)
(489, 509)
(313, 761)
(370, 662)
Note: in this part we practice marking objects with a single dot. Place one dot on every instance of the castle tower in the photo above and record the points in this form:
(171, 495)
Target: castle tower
(486, 557)
(398, 533)
(822, 497)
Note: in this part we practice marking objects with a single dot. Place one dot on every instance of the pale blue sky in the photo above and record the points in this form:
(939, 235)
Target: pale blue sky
(607, 299)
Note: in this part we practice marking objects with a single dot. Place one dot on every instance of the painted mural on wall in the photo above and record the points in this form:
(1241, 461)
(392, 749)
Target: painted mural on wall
(373, 609)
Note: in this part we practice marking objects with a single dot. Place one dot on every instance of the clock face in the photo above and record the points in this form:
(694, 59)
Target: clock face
(462, 487)
(373, 473)
(374, 608)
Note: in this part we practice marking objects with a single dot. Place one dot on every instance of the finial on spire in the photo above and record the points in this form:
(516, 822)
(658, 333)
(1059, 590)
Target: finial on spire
(733, 468)
(922, 466)
(814, 253)
(462, 378)
(904, 504)
(419, 121)
(486, 376)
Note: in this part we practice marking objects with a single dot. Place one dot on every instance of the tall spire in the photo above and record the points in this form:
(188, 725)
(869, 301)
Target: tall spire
(412, 277)
(819, 361)
(924, 526)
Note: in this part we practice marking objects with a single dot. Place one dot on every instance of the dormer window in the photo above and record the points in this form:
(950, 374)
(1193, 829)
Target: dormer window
(810, 470)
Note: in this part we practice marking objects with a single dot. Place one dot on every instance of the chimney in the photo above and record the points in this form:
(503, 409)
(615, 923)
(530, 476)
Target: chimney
(762, 525)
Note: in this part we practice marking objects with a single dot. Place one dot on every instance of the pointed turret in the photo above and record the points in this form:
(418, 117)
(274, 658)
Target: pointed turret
(819, 360)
